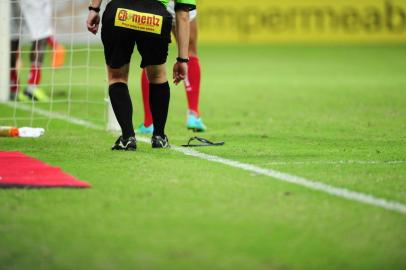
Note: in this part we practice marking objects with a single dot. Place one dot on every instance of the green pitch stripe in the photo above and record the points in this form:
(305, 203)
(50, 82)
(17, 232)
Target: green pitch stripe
(285, 177)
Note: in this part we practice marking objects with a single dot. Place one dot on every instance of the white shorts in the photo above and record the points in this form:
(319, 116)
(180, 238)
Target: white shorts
(171, 10)
(33, 15)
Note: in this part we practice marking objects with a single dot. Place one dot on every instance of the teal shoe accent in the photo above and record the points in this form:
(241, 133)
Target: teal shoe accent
(195, 123)
(191, 119)
(145, 130)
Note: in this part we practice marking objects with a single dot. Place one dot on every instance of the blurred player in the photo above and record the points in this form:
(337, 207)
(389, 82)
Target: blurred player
(37, 18)
(191, 83)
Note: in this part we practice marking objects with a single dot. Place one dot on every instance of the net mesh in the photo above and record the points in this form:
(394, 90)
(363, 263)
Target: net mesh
(77, 87)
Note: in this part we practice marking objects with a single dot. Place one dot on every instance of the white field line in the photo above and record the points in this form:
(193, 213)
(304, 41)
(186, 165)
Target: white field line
(53, 115)
(285, 177)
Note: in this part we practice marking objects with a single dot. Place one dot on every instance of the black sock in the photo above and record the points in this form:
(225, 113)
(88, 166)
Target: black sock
(159, 95)
(123, 109)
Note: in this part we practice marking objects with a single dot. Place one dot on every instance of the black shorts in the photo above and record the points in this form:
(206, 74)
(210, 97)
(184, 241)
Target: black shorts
(145, 23)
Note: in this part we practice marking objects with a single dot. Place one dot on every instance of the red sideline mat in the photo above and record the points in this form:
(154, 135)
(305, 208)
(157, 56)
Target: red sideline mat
(20, 170)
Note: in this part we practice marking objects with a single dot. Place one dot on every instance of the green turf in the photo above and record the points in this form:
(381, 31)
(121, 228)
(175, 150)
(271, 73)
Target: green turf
(320, 112)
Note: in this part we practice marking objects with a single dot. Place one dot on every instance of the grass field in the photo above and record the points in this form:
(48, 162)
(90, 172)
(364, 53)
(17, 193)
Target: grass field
(332, 114)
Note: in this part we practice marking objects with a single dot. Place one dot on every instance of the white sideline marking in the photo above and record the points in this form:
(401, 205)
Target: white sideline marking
(285, 177)
(53, 115)
(340, 192)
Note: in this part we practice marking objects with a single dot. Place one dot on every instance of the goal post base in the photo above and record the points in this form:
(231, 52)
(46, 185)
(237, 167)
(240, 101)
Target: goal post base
(112, 124)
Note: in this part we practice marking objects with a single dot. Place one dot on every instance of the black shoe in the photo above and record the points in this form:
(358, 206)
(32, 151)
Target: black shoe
(160, 142)
(128, 145)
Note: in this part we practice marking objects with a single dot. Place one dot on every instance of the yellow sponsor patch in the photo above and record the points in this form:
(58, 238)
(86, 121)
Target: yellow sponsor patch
(139, 21)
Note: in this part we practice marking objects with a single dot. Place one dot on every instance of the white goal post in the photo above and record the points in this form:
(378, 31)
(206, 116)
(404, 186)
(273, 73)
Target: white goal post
(4, 50)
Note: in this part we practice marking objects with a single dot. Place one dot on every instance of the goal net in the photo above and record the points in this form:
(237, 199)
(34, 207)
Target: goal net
(72, 75)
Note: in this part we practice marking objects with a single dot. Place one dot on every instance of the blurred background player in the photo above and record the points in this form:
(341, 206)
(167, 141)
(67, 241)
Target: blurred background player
(191, 83)
(37, 18)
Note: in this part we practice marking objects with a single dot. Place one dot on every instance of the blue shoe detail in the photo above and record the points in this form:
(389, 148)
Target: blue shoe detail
(195, 123)
(145, 130)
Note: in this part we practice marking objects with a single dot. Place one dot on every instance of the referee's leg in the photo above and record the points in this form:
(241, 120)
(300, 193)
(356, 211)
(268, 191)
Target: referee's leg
(159, 96)
(120, 99)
